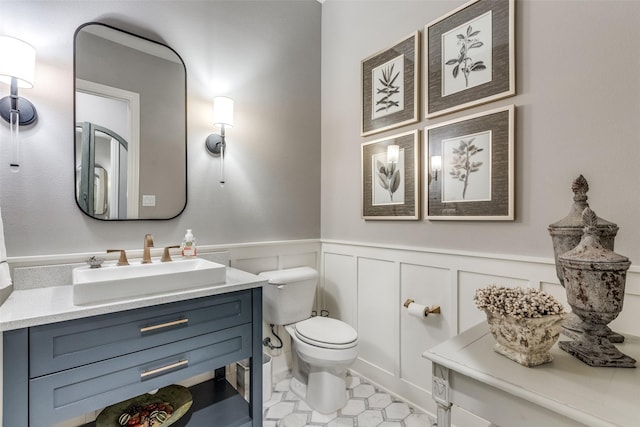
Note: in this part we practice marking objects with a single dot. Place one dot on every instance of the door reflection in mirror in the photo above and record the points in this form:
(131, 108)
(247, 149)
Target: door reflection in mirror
(103, 193)
(117, 111)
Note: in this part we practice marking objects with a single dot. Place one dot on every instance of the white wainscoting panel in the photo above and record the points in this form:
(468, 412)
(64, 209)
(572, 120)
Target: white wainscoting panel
(338, 297)
(427, 286)
(366, 285)
(259, 257)
(377, 319)
(256, 265)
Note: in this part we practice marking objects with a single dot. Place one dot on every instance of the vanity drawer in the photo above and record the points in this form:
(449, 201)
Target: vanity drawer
(63, 395)
(65, 345)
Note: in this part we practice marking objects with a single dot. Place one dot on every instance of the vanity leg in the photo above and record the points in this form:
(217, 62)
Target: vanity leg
(220, 374)
(15, 411)
(256, 360)
(440, 394)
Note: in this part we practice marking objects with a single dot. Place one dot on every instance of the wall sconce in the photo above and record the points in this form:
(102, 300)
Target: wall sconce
(17, 69)
(436, 166)
(393, 154)
(222, 116)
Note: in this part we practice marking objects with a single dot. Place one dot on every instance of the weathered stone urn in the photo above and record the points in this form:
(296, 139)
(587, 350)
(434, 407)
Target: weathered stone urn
(594, 279)
(567, 233)
(527, 340)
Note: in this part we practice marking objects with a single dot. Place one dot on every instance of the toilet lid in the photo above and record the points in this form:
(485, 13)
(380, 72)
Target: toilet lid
(326, 332)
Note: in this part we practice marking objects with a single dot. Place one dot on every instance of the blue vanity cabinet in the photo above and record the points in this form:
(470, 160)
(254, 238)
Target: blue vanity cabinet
(62, 370)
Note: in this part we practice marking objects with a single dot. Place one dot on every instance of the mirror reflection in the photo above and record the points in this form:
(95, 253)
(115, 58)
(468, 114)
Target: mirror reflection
(130, 126)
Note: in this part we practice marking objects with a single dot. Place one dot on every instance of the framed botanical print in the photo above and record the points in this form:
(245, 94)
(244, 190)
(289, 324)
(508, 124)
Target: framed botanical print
(391, 177)
(471, 167)
(470, 56)
(389, 84)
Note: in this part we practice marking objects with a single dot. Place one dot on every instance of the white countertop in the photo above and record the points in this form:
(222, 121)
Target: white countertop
(567, 386)
(32, 307)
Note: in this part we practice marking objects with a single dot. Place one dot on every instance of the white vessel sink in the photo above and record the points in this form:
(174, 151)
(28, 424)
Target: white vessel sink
(115, 283)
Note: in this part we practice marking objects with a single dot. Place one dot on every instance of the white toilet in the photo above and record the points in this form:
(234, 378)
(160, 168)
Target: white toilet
(323, 348)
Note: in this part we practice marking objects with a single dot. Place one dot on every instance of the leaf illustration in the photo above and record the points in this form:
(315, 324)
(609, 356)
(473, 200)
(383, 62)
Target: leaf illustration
(382, 180)
(462, 166)
(388, 88)
(395, 181)
(464, 65)
(475, 167)
(392, 168)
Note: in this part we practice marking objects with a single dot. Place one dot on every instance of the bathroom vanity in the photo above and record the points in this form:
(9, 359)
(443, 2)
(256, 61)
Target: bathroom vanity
(62, 361)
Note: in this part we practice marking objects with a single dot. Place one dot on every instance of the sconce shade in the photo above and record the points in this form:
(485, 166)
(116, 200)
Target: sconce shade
(223, 111)
(436, 163)
(17, 59)
(393, 153)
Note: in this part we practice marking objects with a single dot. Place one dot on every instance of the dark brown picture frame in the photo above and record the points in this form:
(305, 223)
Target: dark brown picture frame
(462, 161)
(496, 65)
(376, 178)
(406, 86)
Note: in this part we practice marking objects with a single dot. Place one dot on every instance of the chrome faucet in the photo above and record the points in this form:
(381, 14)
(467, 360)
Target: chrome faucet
(146, 253)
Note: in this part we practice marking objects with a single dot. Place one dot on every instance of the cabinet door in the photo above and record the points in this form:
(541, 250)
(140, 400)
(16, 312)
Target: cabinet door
(59, 346)
(63, 395)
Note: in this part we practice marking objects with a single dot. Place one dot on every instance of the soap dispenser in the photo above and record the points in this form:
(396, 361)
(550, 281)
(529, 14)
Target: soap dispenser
(189, 245)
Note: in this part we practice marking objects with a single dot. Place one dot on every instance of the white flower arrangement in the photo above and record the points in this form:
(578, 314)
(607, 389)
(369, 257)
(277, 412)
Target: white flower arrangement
(518, 303)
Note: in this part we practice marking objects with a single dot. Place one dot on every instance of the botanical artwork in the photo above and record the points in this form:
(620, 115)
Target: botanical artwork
(389, 184)
(467, 168)
(467, 55)
(390, 177)
(476, 181)
(388, 88)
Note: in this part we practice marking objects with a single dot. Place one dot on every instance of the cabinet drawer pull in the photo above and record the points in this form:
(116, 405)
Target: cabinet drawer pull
(163, 325)
(150, 372)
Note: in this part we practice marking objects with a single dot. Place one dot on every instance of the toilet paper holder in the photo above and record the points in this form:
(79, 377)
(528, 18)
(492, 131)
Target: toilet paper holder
(432, 310)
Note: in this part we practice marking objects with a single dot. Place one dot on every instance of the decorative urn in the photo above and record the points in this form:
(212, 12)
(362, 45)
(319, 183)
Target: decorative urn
(594, 280)
(567, 233)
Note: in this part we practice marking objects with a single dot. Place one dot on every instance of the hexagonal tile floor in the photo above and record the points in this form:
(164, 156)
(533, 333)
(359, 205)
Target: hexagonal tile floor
(366, 407)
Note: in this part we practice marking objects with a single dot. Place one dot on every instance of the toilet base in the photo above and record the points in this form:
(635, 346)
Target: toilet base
(325, 392)
(298, 388)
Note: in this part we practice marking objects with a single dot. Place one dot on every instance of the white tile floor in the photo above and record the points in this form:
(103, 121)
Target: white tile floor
(366, 407)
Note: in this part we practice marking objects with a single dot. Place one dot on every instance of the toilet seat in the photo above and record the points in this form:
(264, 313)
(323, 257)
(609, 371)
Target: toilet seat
(325, 332)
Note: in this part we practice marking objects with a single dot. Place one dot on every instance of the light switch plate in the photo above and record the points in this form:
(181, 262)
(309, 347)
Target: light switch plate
(148, 200)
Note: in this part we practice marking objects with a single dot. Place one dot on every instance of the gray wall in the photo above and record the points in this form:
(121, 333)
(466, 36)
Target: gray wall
(577, 112)
(264, 54)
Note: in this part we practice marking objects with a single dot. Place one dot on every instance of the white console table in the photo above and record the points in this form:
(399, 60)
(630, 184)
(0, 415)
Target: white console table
(563, 393)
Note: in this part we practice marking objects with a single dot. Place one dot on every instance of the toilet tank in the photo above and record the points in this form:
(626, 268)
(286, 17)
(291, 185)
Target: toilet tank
(289, 295)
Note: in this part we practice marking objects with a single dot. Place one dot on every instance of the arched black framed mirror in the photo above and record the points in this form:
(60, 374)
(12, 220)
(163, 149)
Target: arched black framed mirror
(130, 126)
